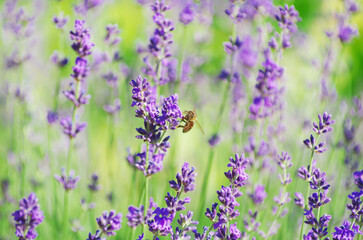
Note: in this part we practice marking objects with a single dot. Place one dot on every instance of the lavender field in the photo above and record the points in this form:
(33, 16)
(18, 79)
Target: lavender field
(181, 119)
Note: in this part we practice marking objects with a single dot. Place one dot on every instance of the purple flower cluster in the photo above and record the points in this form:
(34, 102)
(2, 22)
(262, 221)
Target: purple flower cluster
(259, 195)
(94, 186)
(249, 9)
(345, 30)
(317, 181)
(227, 197)
(59, 61)
(287, 18)
(268, 92)
(187, 224)
(82, 45)
(112, 77)
(52, 117)
(186, 15)
(81, 38)
(324, 126)
(60, 21)
(160, 225)
(184, 180)
(319, 224)
(86, 5)
(135, 216)
(241, 50)
(70, 130)
(160, 46)
(68, 182)
(157, 120)
(349, 230)
(108, 223)
(27, 218)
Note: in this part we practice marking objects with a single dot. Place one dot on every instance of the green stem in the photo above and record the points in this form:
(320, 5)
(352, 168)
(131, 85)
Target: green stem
(133, 230)
(311, 169)
(209, 230)
(273, 222)
(203, 193)
(146, 184)
(308, 180)
(65, 215)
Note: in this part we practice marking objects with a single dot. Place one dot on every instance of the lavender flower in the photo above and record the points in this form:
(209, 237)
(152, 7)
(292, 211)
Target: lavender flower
(227, 196)
(186, 16)
(112, 32)
(94, 186)
(157, 120)
(82, 46)
(214, 140)
(60, 21)
(86, 5)
(52, 117)
(160, 43)
(184, 181)
(27, 218)
(82, 39)
(187, 224)
(317, 181)
(68, 182)
(57, 60)
(346, 231)
(259, 195)
(160, 225)
(109, 223)
(114, 108)
(68, 128)
(135, 216)
(267, 98)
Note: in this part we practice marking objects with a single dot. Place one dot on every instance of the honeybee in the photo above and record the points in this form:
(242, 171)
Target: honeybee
(189, 118)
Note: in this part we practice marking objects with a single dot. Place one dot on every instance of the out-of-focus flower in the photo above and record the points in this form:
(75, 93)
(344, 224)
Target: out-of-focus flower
(86, 5)
(186, 16)
(52, 117)
(60, 21)
(68, 182)
(114, 108)
(57, 60)
(70, 130)
(259, 195)
(94, 186)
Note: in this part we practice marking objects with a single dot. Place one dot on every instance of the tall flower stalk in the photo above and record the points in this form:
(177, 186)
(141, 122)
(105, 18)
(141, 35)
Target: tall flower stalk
(158, 62)
(316, 180)
(157, 120)
(82, 45)
(221, 217)
(284, 162)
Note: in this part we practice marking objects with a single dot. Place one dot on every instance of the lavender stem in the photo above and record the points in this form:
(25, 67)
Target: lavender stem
(146, 184)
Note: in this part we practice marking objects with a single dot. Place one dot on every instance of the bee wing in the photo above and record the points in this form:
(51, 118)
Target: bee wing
(200, 127)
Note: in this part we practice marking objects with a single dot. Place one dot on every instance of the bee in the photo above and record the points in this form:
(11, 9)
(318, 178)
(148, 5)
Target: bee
(189, 119)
